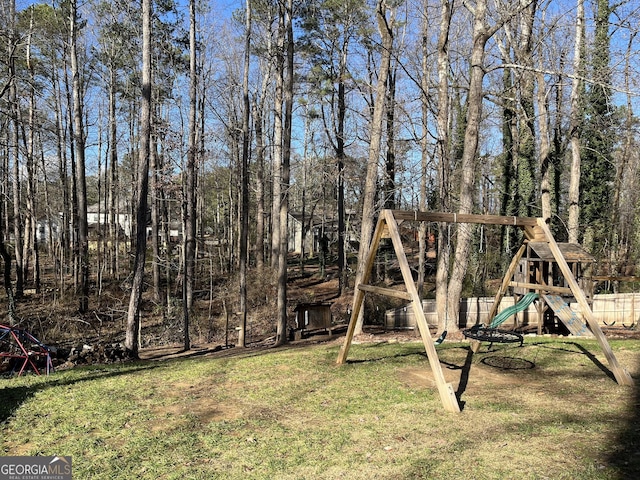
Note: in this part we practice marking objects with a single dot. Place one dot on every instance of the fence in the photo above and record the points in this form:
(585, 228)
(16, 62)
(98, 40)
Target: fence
(609, 309)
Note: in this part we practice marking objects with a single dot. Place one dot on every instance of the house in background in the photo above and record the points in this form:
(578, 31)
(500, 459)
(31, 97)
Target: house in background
(97, 214)
(296, 228)
(48, 229)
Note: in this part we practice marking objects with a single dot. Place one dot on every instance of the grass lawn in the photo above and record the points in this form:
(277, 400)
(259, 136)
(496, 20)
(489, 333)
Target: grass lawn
(545, 410)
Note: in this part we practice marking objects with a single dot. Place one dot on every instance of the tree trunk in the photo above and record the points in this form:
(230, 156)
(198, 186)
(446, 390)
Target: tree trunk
(30, 228)
(340, 159)
(258, 122)
(278, 135)
(424, 155)
(385, 27)
(112, 220)
(63, 255)
(156, 270)
(575, 126)
(244, 184)
(444, 162)
(133, 314)
(545, 148)
(260, 190)
(281, 330)
(389, 184)
(81, 184)
(18, 230)
(526, 126)
(468, 163)
(6, 259)
(190, 184)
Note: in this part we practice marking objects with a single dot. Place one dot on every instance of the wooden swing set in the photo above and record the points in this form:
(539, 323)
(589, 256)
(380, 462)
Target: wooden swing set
(535, 230)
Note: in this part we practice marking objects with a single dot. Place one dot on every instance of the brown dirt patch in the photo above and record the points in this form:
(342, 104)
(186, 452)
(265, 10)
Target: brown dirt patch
(479, 375)
(186, 402)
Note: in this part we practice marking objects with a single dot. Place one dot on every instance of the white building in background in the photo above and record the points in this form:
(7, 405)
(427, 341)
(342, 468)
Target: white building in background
(48, 229)
(98, 214)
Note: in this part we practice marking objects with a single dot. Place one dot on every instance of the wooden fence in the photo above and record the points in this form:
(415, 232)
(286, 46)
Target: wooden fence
(609, 309)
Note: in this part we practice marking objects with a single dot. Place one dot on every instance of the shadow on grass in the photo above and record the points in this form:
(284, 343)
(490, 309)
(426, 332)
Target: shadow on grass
(580, 350)
(624, 449)
(14, 396)
(624, 454)
(385, 357)
(625, 457)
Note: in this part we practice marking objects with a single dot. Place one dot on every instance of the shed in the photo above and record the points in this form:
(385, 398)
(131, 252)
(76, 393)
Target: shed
(313, 316)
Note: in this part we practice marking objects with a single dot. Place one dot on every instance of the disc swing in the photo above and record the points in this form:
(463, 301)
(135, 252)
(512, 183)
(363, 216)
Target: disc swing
(492, 334)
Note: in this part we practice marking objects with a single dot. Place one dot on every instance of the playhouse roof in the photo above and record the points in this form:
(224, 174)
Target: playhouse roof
(572, 252)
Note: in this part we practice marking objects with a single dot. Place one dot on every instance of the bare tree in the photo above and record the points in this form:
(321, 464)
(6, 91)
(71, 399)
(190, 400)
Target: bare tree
(13, 149)
(287, 82)
(244, 184)
(80, 169)
(133, 314)
(385, 27)
(4, 254)
(545, 143)
(575, 126)
(482, 32)
(443, 158)
(278, 134)
(189, 249)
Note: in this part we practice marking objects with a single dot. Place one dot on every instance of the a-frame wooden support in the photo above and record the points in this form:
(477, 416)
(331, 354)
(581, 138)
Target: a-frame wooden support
(386, 219)
(621, 375)
(542, 233)
(535, 229)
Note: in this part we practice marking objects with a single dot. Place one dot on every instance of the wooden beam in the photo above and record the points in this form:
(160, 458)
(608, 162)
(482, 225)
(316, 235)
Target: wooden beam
(621, 375)
(358, 298)
(384, 291)
(417, 216)
(534, 233)
(542, 288)
(607, 278)
(447, 395)
(506, 280)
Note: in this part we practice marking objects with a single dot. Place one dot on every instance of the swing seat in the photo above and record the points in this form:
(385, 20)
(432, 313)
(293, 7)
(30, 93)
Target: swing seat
(482, 333)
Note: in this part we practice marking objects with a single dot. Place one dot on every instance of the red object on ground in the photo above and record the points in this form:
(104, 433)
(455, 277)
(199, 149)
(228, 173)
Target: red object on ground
(21, 350)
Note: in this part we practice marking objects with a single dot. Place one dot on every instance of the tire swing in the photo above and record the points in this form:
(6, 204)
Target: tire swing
(492, 334)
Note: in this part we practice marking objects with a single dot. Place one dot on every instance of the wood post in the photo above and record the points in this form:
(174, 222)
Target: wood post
(359, 293)
(621, 375)
(387, 226)
(447, 395)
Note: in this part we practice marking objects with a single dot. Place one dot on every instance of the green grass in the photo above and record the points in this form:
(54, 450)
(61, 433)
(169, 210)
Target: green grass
(292, 413)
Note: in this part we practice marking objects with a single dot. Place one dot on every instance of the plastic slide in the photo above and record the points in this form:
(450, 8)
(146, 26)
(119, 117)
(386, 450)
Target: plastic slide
(523, 304)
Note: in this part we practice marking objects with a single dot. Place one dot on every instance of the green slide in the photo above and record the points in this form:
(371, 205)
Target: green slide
(523, 304)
